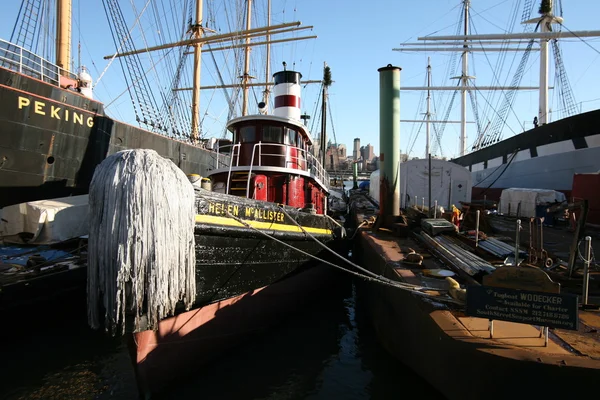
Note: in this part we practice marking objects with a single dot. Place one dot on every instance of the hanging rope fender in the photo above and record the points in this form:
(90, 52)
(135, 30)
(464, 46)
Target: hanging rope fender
(141, 258)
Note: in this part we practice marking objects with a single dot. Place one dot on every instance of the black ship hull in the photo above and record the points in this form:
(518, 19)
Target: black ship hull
(52, 139)
(546, 157)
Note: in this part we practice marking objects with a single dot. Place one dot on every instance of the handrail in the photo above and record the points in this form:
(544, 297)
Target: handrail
(238, 146)
(313, 166)
(21, 60)
(251, 165)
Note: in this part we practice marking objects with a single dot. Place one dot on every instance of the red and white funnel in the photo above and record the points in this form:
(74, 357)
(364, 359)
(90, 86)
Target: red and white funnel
(287, 94)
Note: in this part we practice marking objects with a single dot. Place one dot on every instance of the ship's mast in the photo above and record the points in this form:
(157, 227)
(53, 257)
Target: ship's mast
(544, 27)
(199, 38)
(545, 22)
(324, 118)
(268, 66)
(546, 33)
(466, 39)
(197, 33)
(428, 113)
(464, 83)
(246, 75)
(63, 34)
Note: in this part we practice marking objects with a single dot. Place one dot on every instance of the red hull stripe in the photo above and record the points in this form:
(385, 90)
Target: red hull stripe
(287, 100)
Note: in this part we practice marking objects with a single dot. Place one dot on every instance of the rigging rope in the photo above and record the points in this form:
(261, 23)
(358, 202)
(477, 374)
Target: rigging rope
(28, 22)
(121, 45)
(366, 275)
(439, 133)
(565, 91)
(142, 97)
(498, 177)
(499, 120)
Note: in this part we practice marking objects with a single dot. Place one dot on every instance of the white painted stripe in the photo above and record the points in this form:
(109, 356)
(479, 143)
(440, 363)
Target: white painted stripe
(477, 167)
(290, 112)
(495, 162)
(287, 88)
(555, 148)
(593, 141)
(521, 156)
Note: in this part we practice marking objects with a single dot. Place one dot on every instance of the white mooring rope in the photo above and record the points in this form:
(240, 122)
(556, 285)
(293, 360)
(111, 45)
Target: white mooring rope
(141, 256)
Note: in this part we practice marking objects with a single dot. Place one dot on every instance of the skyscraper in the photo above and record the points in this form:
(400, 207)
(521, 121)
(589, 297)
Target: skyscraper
(356, 152)
(366, 152)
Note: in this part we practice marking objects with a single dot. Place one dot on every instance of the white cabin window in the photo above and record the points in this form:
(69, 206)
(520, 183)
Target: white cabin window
(291, 137)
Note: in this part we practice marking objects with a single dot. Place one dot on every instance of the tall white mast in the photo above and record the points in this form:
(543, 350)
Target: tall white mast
(545, 22)
(246, 75)
(199, 38)
(198, 30)
(464, 83)
(428, 113)
(543, 108)
(466, 41)
(268, 66)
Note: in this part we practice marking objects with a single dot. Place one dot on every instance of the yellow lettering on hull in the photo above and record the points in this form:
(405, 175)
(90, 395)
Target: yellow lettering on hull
(55, 112)
(258, 214)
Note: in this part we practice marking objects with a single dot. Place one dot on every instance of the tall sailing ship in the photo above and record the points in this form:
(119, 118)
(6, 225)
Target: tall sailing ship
(250, 241)
(54, 133)
(545, 157)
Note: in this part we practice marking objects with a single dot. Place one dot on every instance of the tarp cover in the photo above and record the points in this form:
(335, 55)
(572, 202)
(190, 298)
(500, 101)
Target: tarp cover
(450, 183)
(529, 200)
(49, 221)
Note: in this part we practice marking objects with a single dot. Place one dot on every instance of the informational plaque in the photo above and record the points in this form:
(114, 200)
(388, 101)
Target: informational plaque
(524, 306)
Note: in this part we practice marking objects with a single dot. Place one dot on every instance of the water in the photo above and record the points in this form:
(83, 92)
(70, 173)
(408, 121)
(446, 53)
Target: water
(326, 351)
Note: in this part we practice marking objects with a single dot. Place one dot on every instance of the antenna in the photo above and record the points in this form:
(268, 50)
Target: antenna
(304, 118)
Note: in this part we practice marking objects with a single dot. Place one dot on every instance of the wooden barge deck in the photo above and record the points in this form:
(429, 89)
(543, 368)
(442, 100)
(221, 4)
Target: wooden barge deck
(453, 351)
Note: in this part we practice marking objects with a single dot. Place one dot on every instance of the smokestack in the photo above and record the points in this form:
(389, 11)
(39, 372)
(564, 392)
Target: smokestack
(389, 140)
(287, 94)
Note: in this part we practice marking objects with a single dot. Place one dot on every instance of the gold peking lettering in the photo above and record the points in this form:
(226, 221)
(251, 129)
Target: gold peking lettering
(55, 112)
(23, 102)
(39, 108)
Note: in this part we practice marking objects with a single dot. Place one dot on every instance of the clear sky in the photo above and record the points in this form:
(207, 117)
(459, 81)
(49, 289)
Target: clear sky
(355, 39)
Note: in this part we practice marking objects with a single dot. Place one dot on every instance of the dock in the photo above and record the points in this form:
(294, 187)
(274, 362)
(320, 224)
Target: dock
(462, 356)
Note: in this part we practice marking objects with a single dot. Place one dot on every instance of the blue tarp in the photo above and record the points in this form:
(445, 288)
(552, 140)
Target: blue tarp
(20, 254)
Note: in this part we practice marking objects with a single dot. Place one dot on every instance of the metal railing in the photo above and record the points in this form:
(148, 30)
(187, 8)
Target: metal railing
(302, 158)
(20, 60)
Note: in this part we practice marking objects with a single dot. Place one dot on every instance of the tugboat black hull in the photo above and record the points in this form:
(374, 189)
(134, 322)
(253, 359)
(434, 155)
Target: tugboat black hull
(246, 282)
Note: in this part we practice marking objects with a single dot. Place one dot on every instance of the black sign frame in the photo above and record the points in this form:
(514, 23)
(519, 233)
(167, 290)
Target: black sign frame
(523, 306)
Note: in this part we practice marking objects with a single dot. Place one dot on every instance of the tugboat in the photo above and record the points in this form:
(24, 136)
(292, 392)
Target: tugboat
(260, 220)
